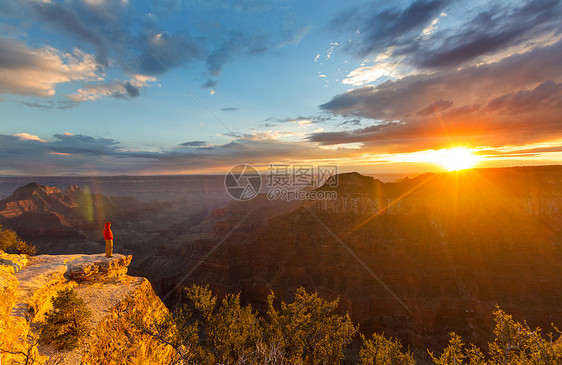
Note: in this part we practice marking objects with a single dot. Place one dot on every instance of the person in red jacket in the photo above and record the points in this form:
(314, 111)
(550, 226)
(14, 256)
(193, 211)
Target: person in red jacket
(108, 236)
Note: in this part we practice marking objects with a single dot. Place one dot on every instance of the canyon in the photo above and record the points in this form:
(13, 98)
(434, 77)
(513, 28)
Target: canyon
(415, 259)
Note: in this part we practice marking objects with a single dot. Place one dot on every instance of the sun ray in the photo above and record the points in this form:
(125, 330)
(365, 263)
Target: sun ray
(386, 207)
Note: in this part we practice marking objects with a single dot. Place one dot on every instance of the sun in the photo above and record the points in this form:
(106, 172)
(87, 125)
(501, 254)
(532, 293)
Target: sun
(456, 158)
(449, 159)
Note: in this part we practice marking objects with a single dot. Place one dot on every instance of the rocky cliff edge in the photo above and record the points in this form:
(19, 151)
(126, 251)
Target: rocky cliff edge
(115, 300)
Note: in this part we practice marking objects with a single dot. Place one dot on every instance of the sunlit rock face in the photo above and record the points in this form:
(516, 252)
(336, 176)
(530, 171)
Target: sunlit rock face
(28, 284)
(33, 198)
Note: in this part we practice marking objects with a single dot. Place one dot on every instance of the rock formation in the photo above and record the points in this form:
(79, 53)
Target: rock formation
(114, 299)
(207, 189)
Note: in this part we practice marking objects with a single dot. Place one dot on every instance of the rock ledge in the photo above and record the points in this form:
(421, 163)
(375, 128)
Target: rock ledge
(113, 298)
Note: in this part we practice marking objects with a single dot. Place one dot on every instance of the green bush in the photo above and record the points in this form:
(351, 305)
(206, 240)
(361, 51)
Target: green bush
(67, 323)
(380, 350)
(515, 343)
(10, 242)
(307, 331)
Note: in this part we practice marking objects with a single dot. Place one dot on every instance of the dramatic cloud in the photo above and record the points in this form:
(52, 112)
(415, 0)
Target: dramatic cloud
(424, 74)
(384, 66)
(546, 96)
(515, 100)
(396, 99)
(435, 107)
(430, 36)
(164, 51)
(125, 38)
(80, 144)
(524, 117)
(492, 31)
(29, 71)
(387, 27)
(412, 32)
(121, 36)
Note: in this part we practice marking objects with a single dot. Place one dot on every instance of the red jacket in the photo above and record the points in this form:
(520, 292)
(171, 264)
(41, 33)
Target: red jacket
(107, 234)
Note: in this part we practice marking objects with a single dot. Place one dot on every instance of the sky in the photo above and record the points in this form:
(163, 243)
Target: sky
(123, 87)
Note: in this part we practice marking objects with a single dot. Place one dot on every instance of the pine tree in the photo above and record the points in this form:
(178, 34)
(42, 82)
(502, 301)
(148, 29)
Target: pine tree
(380, 350)
(204, 331)
(12, 243)
(67, 323)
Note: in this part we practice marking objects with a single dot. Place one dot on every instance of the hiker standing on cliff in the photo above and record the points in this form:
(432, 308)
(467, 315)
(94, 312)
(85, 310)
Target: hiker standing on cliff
(108, 236)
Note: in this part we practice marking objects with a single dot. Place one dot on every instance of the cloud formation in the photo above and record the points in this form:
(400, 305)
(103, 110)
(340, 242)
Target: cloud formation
(51, 104)
(429, 74)
(133, 40)
(28, 137)
(68, 153)
(412, 33)
(31, 71)
(193, 144)
(300, 120)
(490, 31)
(117, 89)
(388, 27)
(516, 99)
